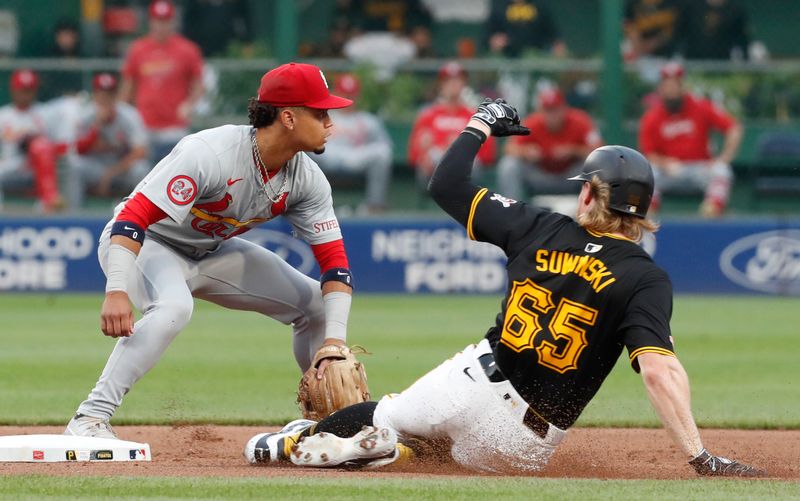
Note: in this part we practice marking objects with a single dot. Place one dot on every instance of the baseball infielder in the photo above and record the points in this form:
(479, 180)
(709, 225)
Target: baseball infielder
(578, 293)
(175, 238)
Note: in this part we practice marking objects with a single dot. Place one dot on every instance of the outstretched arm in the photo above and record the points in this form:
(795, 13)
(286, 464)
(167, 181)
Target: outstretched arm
(668, 389)
(450, 185)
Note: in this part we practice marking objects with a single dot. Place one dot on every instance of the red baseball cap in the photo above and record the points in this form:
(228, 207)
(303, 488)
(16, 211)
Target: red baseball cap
(452, 70)
(162, 9)
(24, 79)
(347, 84)
(104, 81)
(298, 84)
(672, 70)
(550, 98)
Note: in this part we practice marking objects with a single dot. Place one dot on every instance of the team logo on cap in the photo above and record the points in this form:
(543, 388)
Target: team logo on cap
(182, 190)
(324, 80)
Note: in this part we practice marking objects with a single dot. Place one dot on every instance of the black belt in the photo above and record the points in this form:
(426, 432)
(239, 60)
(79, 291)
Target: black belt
(532, 419)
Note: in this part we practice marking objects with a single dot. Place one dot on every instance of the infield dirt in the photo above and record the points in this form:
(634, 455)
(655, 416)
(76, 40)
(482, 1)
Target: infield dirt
(606, 453)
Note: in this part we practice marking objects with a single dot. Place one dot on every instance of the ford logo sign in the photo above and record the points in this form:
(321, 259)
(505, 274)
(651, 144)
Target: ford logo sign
(766, 262)
(295, 252)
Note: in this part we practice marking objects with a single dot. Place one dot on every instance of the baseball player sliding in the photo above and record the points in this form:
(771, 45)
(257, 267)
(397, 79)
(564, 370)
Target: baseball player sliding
(578, 292)
(175, 238)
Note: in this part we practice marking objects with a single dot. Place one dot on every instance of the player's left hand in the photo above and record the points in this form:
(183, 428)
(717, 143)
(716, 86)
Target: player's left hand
(707, 464)
(501, 118)
(326, 361)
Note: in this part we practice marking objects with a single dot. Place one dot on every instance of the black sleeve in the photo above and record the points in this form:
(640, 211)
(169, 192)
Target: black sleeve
(487, 216)
(645, 327)
(451, 186)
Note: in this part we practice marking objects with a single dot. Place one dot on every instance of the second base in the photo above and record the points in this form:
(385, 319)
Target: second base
(66, 448)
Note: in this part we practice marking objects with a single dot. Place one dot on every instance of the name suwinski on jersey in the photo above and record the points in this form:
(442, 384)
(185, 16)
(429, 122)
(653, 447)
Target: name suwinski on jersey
(588, 268)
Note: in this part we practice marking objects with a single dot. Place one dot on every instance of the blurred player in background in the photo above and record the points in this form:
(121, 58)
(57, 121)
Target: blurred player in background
(675, 135)
(560, 139)
(654, 28)
(26, 154)
(111, 146)
(359, 144)
(516, 26)
(440, 123)
(162, 75)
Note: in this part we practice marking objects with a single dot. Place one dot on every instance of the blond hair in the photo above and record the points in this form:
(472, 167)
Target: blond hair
(600, 219)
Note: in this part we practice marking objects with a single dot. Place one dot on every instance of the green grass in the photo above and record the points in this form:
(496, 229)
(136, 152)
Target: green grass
(232, 367)
(346, 488)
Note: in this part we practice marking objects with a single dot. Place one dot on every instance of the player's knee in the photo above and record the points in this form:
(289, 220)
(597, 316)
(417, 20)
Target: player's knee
(176, 311)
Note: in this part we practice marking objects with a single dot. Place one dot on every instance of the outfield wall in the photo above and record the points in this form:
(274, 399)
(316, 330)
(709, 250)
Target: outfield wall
(418, 256)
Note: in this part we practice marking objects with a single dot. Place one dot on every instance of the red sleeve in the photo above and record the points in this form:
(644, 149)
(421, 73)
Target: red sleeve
(130, 66)
(330, 255)
(719, 119)
(414, 147)
(84, 144)
(590, 136)
(648, 134)
(141, 211)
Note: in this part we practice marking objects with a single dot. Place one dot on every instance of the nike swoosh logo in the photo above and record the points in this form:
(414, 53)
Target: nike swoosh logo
(129, 228)
(232, 181)
(466, 371)
(343, 274)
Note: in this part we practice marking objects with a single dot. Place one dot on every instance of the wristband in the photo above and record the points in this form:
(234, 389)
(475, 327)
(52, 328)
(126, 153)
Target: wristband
(476, 132)
(337, 310)
(120, 262)
(128, 229)
(339, 275)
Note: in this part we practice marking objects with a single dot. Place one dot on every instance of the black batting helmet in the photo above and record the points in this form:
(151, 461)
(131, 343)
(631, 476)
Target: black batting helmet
(627, 172)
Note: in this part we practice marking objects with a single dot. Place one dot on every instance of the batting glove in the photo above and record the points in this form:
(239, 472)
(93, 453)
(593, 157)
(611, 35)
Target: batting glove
(501, 118)
(707, 464)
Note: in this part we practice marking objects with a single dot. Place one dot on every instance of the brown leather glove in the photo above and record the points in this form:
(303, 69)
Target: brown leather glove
(343, 383)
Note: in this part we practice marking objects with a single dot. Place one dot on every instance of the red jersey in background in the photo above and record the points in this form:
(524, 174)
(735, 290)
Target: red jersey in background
(684, 135)
(437, 126)
(162, 74)
(578, 129)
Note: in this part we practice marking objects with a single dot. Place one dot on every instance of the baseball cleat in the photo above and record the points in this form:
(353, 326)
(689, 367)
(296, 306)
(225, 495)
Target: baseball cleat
(276, 446)
(326, 449)
(88, 426)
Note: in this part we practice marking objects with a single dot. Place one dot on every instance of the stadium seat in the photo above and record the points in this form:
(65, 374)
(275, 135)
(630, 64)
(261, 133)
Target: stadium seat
(776, 169)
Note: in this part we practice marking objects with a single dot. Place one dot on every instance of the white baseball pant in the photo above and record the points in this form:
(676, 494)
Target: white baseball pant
(482, 419)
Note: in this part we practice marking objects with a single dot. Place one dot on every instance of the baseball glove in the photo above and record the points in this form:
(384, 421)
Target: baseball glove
(343, 383)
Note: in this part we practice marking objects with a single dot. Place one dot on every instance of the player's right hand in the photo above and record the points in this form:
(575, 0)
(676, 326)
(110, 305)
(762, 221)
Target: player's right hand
(116, 316)
(501, 118)
(707, 464)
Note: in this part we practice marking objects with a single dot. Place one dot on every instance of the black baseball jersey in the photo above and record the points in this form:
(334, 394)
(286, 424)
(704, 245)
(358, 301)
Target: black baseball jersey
(574, 299)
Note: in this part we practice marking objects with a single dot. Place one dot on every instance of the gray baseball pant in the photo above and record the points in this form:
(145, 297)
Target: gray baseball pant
(240, 275)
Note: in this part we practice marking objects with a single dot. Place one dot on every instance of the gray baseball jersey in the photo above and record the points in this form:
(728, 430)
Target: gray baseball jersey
(15, 124)
(210, 188)
(116, 138)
